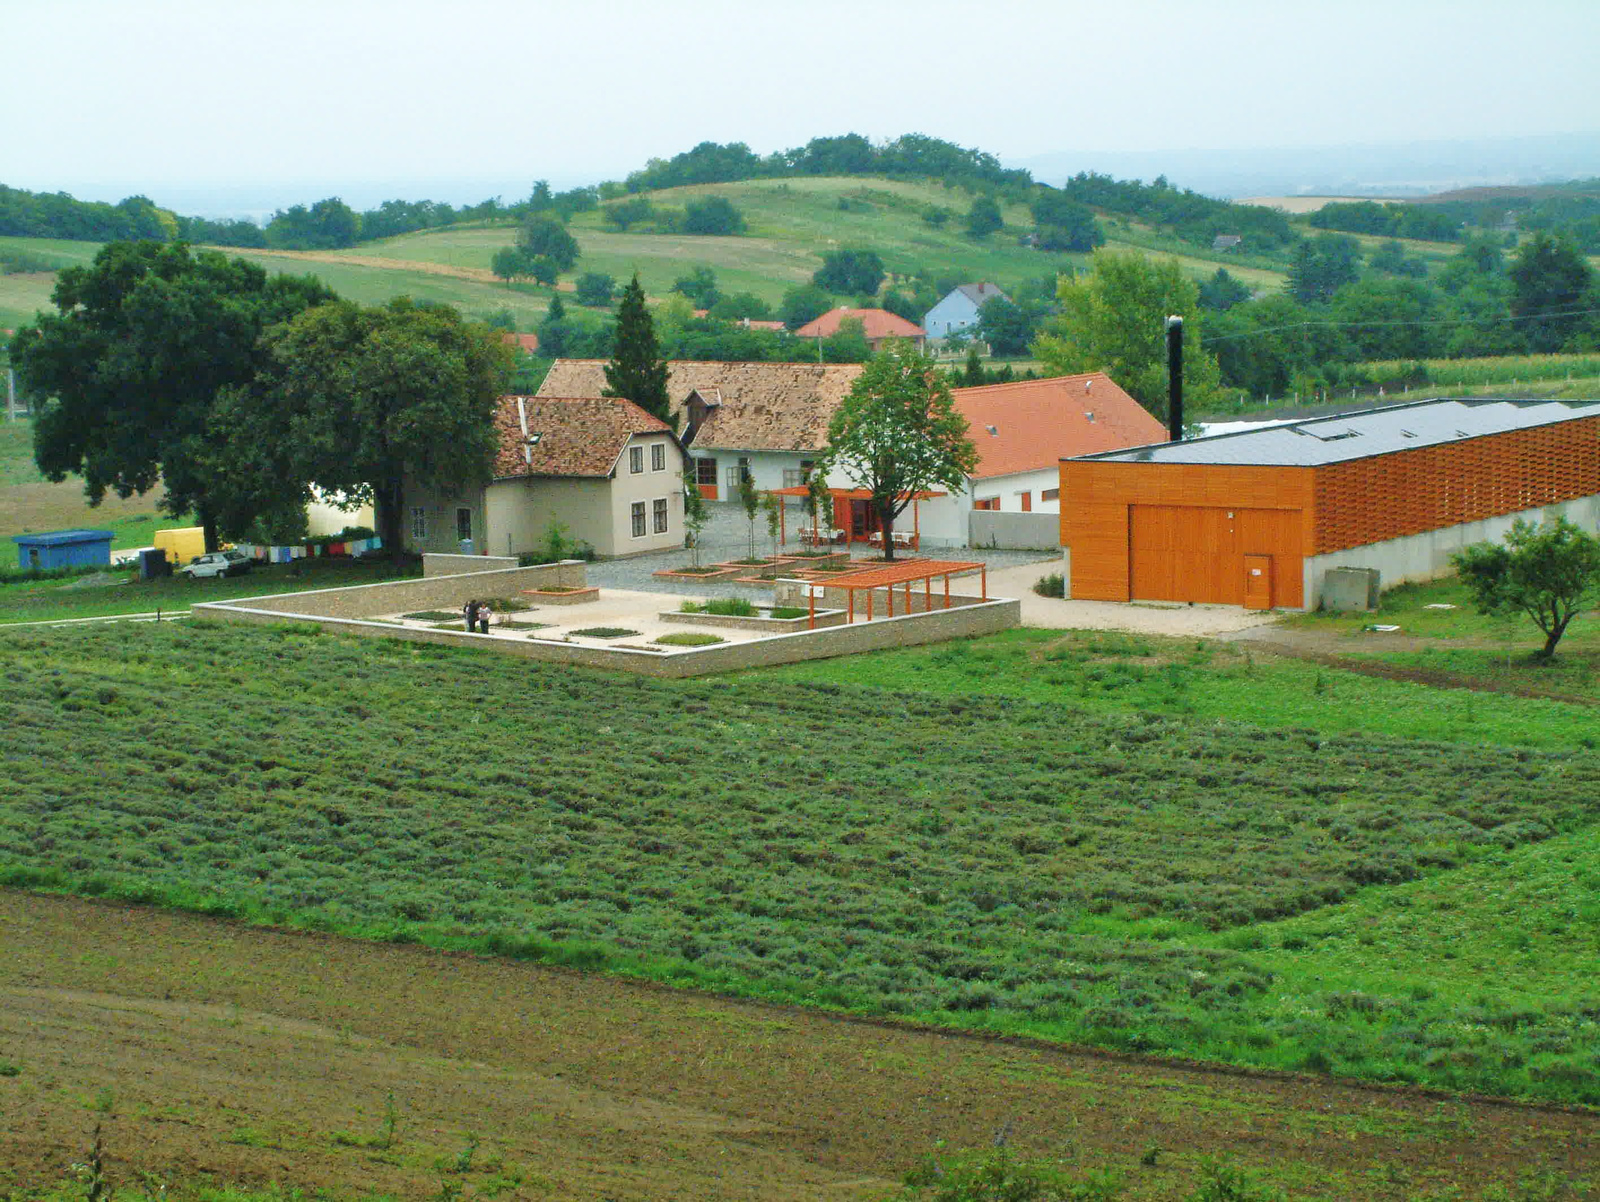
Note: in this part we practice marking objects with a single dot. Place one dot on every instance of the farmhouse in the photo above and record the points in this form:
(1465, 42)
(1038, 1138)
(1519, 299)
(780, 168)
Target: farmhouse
(1257, 518)
(959, 309)
(600, 466)
(878, 325)
(765, 420)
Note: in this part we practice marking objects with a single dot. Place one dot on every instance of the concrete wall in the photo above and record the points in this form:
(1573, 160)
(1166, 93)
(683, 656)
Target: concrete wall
(406, 596)
(1015, 531)
(443, 564)
(521, 510)
(973, 617)
(1427, 556)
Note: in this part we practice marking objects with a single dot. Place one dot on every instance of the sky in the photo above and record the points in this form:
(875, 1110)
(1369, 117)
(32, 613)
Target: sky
(470, 98)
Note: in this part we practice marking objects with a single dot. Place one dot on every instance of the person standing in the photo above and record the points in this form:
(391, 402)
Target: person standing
(470, 609)
(484, 614)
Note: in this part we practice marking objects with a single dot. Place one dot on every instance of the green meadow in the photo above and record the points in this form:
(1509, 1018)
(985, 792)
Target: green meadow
(1285, 893)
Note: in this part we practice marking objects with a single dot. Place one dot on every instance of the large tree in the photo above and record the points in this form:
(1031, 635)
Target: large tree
(366, 401)
(144, 342)
(1551, 283)
(898, 433)
(544, 237)
(637, 371)
(1113, 319)
(1550, 572)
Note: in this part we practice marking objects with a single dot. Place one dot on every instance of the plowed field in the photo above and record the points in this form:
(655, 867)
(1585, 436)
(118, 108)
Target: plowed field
(206, 1048)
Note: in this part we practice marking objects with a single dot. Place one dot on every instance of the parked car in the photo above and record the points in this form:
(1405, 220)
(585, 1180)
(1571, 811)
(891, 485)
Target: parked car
(216, 563)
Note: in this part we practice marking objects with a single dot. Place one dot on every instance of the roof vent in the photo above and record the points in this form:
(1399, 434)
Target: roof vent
(1088, 384)
(1089, 414)
(992, 429)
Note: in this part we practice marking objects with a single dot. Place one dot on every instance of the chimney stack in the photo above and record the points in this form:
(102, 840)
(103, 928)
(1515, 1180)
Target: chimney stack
(1175, 379)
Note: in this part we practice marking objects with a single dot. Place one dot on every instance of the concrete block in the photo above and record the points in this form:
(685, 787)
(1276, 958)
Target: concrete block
(1350, 589)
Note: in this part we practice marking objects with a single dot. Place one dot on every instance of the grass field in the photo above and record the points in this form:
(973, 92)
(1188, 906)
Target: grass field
(1125, 879)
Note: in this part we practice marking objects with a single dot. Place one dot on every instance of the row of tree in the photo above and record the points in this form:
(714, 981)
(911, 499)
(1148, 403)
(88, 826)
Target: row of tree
(238, 391)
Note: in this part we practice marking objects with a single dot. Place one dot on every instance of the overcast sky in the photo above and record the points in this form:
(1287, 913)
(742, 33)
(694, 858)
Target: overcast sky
(107, 97)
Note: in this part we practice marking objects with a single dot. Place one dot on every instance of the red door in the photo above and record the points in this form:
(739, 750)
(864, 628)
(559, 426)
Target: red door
(1258, 582)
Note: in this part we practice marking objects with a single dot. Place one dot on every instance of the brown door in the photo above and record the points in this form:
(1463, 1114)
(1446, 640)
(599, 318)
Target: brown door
(1258, 582)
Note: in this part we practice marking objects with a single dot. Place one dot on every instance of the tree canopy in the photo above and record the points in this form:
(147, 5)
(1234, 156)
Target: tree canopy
(365, 401)
(898, 433)
(545, 237)
(1550, 281)
(850, 272)
(1551, 572)
(1113, 319)
(637, 372)
(146, 340)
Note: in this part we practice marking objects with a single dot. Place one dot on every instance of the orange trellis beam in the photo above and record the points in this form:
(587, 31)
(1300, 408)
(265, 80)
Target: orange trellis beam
(891, 576)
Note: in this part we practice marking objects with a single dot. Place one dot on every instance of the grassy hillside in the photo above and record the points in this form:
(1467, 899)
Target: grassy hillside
(792, 224)
(1126, 879)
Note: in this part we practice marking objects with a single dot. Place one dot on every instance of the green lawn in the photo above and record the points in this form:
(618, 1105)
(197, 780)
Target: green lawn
(1123, 879)
(1109, 673)
(58, 600)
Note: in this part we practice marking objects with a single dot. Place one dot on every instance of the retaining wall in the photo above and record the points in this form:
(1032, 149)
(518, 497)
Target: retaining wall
(1014, 531)
(440, 563)
(405, 596)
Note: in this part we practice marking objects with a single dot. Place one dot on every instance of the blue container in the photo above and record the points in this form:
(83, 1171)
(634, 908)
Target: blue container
(63, 549)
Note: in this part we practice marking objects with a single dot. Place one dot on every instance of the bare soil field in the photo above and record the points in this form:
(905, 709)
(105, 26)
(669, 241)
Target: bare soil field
(210, 1049)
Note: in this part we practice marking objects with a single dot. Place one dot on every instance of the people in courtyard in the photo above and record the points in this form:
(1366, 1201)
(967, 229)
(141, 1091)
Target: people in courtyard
(484, 614)
(470, 610)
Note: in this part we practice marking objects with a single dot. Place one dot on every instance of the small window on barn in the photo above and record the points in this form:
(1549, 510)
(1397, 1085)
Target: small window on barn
(1050, 494)
(986, 503)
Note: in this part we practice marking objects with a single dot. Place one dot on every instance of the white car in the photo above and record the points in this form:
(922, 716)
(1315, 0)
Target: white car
(216, 563)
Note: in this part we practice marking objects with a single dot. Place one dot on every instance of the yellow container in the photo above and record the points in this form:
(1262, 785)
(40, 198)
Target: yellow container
(181, 545)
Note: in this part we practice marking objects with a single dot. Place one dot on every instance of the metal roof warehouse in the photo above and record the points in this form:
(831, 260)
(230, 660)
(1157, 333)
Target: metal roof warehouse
(1258, 517)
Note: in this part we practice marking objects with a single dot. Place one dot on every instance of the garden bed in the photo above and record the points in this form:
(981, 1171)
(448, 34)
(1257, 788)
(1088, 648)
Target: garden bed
(563, 596)
(761, 620)
(714, 572)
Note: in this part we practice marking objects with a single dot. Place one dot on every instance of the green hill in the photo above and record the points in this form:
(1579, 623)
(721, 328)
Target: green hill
(792, 223)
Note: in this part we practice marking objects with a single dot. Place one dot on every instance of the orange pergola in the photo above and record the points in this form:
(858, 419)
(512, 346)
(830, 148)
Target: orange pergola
(890, 576)
(851, 494)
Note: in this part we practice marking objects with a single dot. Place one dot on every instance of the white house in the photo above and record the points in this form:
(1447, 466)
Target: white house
(959, 309)
(602, 467)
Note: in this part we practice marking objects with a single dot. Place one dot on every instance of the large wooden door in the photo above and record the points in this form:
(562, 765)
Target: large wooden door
(1198, 553)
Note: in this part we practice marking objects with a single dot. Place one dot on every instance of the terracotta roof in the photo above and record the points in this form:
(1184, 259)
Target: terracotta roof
(566, 436)
(1035, 423)
(759, 406)
(527, 342)
(876, 323)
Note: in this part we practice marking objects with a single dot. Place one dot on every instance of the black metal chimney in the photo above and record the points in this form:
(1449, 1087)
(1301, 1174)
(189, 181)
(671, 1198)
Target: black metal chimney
(1175, 379)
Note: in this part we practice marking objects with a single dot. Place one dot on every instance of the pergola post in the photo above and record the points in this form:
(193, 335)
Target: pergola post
(811, 590)
(985, 579)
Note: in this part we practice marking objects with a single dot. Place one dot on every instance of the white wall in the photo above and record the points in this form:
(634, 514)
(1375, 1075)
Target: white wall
(1009, 490)
(766, 467)
(955, 311)
(1427, 556)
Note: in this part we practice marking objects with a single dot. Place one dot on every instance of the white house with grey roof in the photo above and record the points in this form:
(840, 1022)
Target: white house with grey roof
(959, 310)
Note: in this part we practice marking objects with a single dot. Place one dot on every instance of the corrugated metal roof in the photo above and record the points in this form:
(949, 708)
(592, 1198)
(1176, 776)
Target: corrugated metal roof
(58, 538)
(1360, 434)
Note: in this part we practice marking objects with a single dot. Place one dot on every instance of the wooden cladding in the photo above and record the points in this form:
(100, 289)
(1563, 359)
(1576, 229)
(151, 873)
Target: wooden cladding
(1411, 492)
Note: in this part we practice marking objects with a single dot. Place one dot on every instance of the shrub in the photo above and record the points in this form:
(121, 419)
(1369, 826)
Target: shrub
(690, 638)
(1052, 585)
(728, 607)
(605, 632)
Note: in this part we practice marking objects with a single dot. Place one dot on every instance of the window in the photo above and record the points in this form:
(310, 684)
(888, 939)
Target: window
(661, 515)
(419, 522)
(638, 519)
(1027, 501)
(635, 460)
(797, 477)
(705, 472)
(1050, 494)
(658, 457)
(463, 522)
(986, 503)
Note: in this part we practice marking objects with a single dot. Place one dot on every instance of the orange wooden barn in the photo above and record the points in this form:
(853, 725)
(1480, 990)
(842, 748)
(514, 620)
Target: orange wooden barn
(1257, 518)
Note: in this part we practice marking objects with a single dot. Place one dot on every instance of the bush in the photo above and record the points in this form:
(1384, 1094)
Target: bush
(690, 638)
(728, 607)
(712, 215)
(594, 288)
(605, 632)
(1053, 585)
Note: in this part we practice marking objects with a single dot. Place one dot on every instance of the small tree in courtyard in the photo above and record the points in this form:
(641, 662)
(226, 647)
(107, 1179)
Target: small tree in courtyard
(750, 502)
(817, 501)
(695, 517)
(1550, 572)
(898, 433)
(772, 510)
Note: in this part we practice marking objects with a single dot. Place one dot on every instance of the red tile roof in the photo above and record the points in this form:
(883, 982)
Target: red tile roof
(876, 323)
(527, 342)
(1036, 422)
(566, 436)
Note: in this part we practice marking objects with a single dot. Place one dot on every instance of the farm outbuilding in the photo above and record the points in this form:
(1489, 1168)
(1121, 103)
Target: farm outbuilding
(63, 549)
(1258, 517)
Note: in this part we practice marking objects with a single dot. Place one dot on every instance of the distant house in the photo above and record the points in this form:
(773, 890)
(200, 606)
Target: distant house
(1226, 241)
(765, 420)
(600, 466)
(747, 323)
(959, 309)
(528, 344)
(876, 324)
